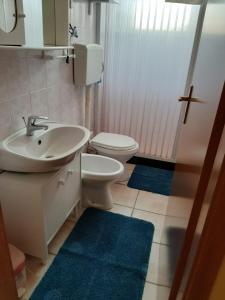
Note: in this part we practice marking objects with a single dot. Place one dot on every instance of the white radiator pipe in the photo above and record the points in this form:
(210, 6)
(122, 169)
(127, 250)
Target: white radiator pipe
(88, 99)
(83, 106)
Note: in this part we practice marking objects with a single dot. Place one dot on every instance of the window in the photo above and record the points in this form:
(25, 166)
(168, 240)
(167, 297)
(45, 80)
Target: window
(160, 16)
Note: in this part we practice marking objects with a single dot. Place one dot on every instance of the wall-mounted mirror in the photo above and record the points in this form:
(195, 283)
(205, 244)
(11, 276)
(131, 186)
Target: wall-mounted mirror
(7, 15)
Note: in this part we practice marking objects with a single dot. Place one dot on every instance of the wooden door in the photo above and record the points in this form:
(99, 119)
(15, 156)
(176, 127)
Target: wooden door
(200, 136)
(209, 244)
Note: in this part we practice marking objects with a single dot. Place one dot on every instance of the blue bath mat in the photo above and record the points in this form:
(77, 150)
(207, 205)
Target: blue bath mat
(104, 258)
(150, 179)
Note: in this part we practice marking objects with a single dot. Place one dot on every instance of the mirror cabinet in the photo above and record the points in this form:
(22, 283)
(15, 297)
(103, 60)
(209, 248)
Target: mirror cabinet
(8, 16)
(11, 22)
(35, 23)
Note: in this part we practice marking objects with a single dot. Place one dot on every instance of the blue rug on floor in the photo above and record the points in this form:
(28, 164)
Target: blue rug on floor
(104, 258)
(155, 180)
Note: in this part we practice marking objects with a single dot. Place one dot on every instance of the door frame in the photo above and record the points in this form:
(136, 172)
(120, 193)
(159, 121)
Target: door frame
(216, 134)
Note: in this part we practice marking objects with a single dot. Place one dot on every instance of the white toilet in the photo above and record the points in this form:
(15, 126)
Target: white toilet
(117, 146)
(98, 174)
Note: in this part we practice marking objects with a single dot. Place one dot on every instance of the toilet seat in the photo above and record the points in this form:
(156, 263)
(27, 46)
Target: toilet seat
(113, 141)
(117, 146)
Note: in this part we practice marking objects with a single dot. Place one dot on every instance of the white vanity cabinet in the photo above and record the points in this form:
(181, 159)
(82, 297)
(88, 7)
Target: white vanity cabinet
(36, 205)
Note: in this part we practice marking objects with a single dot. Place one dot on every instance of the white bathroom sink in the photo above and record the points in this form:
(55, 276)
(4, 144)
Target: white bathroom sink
(45, 151)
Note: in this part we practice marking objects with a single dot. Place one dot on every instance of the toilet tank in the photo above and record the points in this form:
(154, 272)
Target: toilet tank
(88, 64)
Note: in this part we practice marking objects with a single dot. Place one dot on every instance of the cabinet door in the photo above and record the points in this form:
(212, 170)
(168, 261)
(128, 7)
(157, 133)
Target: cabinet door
(56, 20)
(73, 183)
(16, 35)
(62, 21)
(60, 196)
(54, 207)
(49, 29)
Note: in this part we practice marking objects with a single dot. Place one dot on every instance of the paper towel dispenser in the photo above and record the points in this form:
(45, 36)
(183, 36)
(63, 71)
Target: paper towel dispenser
(88, 64)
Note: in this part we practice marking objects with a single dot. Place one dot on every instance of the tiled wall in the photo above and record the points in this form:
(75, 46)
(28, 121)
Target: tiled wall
(32, 85)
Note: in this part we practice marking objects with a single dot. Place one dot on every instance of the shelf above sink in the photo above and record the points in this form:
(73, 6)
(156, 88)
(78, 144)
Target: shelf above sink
(44, 51)
(44, 48)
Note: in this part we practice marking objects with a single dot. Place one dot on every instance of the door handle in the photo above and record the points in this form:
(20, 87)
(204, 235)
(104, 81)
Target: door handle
(193, 99)
(189, 99)
(19, 15)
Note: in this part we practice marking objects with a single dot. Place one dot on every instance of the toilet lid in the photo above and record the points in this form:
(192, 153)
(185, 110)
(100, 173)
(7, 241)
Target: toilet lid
(113, 141)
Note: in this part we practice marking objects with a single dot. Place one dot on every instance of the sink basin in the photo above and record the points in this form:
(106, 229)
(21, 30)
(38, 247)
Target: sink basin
(46, 150)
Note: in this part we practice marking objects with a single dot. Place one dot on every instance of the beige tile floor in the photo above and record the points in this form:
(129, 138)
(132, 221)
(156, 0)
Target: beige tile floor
(139, 204)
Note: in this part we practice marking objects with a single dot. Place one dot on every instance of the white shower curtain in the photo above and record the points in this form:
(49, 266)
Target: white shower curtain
(148, 46)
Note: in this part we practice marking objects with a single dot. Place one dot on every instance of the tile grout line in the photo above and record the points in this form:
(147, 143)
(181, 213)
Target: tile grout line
(149, 211)
(158, 284)
(122, 205)
(144, 209)
(163, 244)
(170, 216)
(53, 254)
(135, 203)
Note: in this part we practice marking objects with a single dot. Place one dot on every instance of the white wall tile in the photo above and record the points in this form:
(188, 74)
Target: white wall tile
(20, 107)
(66, 71)
(4, 95)
(52, 72)
(37, 74)
(39, 103)
(17, 77)
(5, 120)
(54, 103)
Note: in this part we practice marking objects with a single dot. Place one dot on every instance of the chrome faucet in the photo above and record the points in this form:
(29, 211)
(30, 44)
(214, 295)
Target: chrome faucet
(32, 126)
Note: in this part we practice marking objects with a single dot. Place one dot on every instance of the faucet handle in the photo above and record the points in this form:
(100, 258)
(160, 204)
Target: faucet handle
(24, 120)
(33, 119)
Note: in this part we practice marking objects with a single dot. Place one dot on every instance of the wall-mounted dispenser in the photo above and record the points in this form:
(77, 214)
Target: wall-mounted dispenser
(88, 65)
